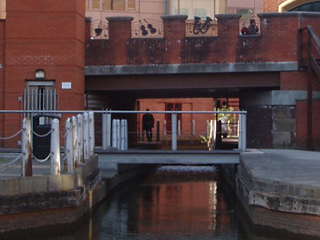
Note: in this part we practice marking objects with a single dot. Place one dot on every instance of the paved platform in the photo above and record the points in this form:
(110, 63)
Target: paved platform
(281, 189)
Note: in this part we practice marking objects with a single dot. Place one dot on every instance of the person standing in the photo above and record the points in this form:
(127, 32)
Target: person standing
(253, 28)
(148, 124)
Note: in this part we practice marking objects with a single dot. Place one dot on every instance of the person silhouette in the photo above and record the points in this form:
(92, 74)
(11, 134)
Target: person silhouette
(148, 124)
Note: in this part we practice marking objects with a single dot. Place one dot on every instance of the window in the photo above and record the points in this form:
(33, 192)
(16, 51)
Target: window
(109, 5)
(308, 7)
(95, 4)
(118, 5)
(87, 4)
(199, 8)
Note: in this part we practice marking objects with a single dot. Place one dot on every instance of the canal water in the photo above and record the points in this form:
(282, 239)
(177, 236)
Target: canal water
(174, 202)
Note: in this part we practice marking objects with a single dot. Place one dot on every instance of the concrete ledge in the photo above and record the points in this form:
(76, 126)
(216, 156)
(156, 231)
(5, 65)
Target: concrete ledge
(190, 68)
(284, 181)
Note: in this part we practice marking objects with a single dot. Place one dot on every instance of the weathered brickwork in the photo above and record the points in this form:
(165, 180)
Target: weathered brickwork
(227, 47)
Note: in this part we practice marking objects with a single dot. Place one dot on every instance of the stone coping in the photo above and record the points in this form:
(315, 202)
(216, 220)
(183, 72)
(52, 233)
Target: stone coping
(48, 183)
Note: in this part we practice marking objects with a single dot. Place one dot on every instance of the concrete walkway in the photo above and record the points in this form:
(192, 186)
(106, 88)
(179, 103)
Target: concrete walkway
(287, 182)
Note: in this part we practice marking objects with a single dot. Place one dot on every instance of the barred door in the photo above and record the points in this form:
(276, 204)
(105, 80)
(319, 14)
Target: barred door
(39, 97)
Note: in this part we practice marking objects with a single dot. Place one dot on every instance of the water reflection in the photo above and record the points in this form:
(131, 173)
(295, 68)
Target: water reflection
(171, 203)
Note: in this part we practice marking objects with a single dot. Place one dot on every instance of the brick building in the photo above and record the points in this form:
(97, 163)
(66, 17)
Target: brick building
(45, 48)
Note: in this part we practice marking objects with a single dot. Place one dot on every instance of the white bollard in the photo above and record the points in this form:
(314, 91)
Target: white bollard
(179, 128)
(55, 148)
(68, 149)
(118, 133)
(26, 149)
(114, 133)
(164, 127)
(104, 131)
(122, 134)
(91, 134)
(109, 130)
(80, 137)
(86, 136)
(126, 135)
(75, 142)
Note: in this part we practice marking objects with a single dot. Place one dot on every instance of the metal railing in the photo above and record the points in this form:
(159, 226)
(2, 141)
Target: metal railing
(172, 128)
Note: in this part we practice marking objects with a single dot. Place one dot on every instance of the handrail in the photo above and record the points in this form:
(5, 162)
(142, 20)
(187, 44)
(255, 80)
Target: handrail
(120, 111)
(312, 64)
(313, 44)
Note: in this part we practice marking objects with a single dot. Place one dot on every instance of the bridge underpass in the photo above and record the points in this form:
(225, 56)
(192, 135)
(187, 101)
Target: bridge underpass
(109, 161)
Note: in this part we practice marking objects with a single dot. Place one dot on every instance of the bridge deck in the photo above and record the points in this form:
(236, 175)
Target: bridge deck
(187, 157)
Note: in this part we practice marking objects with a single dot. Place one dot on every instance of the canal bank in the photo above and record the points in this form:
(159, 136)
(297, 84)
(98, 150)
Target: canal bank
(281, 189)
(45, 202)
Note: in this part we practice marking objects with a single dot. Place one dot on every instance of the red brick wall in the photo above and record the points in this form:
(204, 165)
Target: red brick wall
(2, 97)
(49, 35)
(301, 118)
(275, 44)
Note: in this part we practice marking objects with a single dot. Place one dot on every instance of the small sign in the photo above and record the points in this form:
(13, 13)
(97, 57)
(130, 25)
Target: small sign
(66, 85)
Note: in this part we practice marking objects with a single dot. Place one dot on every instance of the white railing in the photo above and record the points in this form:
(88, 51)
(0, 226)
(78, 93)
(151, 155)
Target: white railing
(80, 134)
(79, 144)
(113, 130)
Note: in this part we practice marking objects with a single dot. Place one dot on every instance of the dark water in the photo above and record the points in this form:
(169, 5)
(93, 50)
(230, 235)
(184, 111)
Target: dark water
(172, 203)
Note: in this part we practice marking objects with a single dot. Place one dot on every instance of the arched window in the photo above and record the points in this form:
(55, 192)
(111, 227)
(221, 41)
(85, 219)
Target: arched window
(300, 5)
(308, 7)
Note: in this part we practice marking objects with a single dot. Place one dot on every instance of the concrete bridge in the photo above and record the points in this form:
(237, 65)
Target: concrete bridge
(267, 72)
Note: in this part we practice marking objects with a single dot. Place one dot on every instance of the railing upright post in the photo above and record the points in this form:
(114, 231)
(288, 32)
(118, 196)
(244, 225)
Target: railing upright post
(242, 145)
(68, 149)
(164, 128)
(193, 127)
(91, 134)
(80, 138)
(26, 168)
(244, 135)
(158, 131)
(174, 131)
(106, 130)
(86, 136)
(240, 132)
(75, 142)
(55, 148)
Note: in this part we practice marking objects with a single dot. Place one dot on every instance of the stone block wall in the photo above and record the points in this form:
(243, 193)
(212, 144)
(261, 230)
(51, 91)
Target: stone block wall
(284, 126)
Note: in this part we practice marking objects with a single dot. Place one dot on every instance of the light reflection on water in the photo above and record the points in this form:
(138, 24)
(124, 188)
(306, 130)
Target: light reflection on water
(172, 203)
(176, 202)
